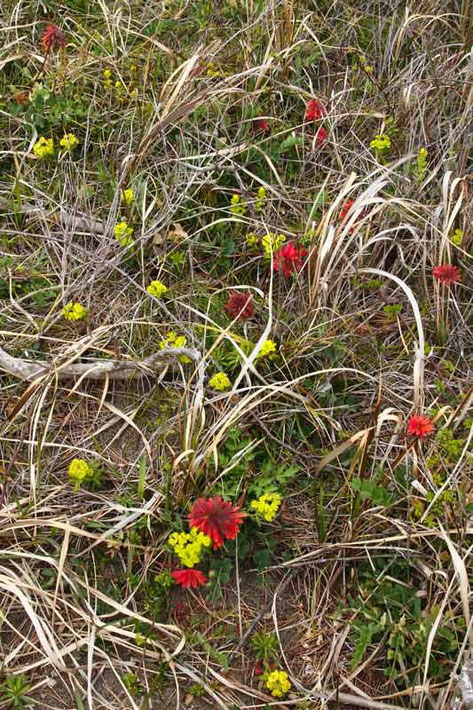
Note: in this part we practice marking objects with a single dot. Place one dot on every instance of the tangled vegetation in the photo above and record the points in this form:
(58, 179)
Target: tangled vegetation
(236, 322)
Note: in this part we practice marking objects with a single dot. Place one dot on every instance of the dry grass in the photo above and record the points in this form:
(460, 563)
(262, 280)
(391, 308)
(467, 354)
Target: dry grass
(365, 337)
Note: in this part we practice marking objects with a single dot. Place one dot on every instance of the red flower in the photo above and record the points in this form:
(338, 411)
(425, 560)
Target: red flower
(217, 518)
(321, 136)
(260, 667)
(314, 110)
(447, 274)
(189, 578)
(261, 125)
(240, 305)
(289, 258)
(53, 38)
(346, 208)
(419, 425)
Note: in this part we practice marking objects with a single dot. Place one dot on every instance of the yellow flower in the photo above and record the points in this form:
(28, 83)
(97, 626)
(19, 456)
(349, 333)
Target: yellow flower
(251, 239)
(267, 505)
(128, 196)
(381, 142)
(74, 311)
(44, 147)
(79, 471)
(68, 141)
(189, 546)
(237, 205)
(157, 289)
(220, 381)
(123, 233)
(174, 341)
(107, 75)
(261, 198)
(268, 347)
(272, 242)
(278, 683)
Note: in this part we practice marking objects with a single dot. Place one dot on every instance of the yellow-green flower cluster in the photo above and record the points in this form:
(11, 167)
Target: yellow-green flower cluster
(272, 242)
(79, 471)
(220, 381)
(44, 147)
(174, 341)
(268, 347)
(267, 506)
(457, 237)
(107, 76)
(128, 196)
(123, 233)
(421, 164)
(381, 143)
(237, 205)
(74, 311)
(68, 141)
(252, 239)
(189, 546)
(157, 289)
(278, 683)
(259, 204)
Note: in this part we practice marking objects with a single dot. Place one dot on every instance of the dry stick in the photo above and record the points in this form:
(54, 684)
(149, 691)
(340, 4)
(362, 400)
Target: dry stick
(72, 220)
(114, 369)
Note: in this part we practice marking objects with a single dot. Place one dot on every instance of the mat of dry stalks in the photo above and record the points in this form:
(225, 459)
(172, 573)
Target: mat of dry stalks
(236, 354)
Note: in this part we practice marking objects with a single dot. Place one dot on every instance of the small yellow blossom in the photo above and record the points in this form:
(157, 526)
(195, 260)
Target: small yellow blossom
(267, 505)
(44, 147)
(457, 237)
(157, 289)
(381, 143)
(261, 198)
(74, 311)
(272, 242)
(174, 341)
(79, 471)
(189, 546)
(251, 239)
(107, 75)
(278, 683)
(128, 196)
(123, 233)
(237, 205)
(220, 381)
(68, 141)
(268, 347)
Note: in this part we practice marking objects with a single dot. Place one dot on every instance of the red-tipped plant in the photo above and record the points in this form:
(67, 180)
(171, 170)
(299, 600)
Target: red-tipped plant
(447, 274)
(420, 426)
(289, 259)
(53, 38)
(217, 518)
(240, 305)
(314, 110)
(189, 578)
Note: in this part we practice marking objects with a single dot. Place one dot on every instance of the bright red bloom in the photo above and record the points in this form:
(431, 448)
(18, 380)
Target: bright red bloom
(261, 125)
(419, 425)
(289, 258)
(314, 110)
(321, 136)
(447, 274)
(240, 305)
(346, 207)
(189, 578)
(53, 38)
(216, 518)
